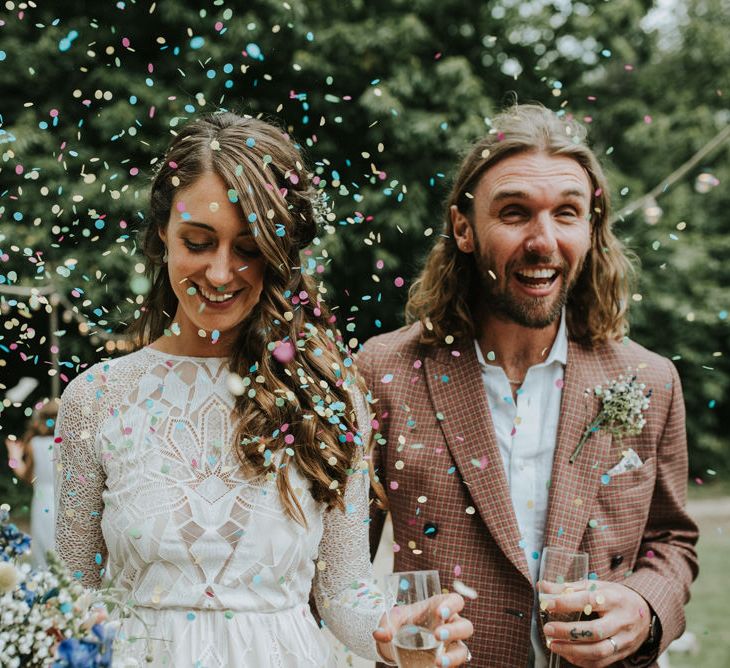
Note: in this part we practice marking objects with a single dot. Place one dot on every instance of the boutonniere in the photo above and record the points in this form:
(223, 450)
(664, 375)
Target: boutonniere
(623, 402)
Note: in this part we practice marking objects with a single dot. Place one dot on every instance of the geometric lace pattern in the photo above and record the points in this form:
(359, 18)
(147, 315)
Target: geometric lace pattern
(151, 496)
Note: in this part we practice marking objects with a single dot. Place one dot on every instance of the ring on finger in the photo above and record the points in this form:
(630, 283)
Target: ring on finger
(614, 644)
(461, 643)
(468, 652)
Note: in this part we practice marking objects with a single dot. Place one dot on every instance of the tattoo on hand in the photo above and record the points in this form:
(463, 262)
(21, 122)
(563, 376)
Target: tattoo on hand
(575, 634)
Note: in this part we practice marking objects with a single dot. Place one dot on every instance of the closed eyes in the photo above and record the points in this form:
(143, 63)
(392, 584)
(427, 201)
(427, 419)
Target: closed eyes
(202, 247)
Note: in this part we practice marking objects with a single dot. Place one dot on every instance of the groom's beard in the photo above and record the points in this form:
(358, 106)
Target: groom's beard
(495, 296)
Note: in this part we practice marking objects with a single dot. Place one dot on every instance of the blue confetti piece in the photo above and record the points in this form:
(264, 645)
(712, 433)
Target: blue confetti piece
(65, 43)
(254, 51)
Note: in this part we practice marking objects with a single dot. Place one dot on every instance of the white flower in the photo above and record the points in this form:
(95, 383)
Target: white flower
(9, 577)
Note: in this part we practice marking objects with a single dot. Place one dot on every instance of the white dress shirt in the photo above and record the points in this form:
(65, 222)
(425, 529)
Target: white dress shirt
(526, 433)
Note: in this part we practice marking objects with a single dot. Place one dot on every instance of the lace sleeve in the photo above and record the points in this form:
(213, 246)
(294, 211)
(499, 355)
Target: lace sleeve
(80, 478)
(344, 589)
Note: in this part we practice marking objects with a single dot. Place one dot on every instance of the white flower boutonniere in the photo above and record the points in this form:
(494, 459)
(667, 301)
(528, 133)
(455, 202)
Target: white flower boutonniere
(623, 402)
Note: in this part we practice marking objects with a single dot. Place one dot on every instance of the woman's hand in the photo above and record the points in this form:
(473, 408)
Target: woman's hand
(16, 458)
(453, 629)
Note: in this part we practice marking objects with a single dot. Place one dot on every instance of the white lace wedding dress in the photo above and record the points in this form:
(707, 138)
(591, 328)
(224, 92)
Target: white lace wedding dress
(219, 573)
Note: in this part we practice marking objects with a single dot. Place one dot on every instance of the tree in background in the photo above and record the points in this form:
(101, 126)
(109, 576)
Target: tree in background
(655, 116)
(383, 96)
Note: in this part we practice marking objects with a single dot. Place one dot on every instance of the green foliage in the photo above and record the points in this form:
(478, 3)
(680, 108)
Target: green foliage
(383, 97)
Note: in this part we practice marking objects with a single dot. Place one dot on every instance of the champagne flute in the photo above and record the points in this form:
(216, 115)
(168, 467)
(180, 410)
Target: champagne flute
(414, 642)
(561, 572)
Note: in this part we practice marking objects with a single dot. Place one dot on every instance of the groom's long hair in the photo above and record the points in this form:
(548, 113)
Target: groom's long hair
(442, 297)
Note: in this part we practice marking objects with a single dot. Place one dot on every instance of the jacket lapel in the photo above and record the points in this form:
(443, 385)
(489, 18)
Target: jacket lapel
(460, 401)
(574, 486)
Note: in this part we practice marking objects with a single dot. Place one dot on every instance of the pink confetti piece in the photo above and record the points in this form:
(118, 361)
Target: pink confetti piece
(284, 352)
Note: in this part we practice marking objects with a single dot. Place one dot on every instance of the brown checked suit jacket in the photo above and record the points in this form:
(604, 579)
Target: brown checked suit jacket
(436, 455)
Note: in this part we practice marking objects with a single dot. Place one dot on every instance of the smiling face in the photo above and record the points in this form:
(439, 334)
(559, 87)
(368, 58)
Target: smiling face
(530, 233)
(215, 267)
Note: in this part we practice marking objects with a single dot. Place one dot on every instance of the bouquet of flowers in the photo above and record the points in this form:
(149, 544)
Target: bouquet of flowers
(47, 618)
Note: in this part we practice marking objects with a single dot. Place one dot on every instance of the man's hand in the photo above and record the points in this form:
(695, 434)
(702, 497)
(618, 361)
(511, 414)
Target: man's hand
(452, 630)
(622, 626)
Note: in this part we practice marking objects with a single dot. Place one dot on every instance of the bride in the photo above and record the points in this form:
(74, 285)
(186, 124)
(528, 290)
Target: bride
(217, 475)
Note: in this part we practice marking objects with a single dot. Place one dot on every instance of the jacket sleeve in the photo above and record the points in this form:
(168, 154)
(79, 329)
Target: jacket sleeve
(667, 562)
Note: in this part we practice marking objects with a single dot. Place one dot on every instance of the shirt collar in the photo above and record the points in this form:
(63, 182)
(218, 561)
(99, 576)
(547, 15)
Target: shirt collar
(558, 353)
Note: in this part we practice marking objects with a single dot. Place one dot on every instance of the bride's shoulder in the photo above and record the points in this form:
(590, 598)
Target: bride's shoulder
(104, 377)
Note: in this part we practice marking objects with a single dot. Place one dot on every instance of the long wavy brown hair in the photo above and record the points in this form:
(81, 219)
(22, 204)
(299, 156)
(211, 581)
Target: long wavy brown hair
(443, 295)
(297, 410)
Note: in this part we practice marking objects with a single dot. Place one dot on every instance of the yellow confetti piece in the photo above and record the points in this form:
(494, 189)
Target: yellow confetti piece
(588, 609)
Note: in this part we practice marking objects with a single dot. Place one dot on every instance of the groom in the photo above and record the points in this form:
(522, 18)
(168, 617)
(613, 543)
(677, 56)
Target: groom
(518, 321)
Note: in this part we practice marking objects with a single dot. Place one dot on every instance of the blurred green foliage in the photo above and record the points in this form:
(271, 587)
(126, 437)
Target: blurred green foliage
(383, 96)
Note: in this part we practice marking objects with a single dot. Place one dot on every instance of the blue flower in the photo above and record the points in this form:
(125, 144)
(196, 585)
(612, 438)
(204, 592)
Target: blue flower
(105, 633)
(74, 653)
(29, 595)
(13, 542)
(95, 651)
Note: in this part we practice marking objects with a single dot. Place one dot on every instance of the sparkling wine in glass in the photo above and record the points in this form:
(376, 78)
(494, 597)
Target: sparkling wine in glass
(561, 572)
(415, 644)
